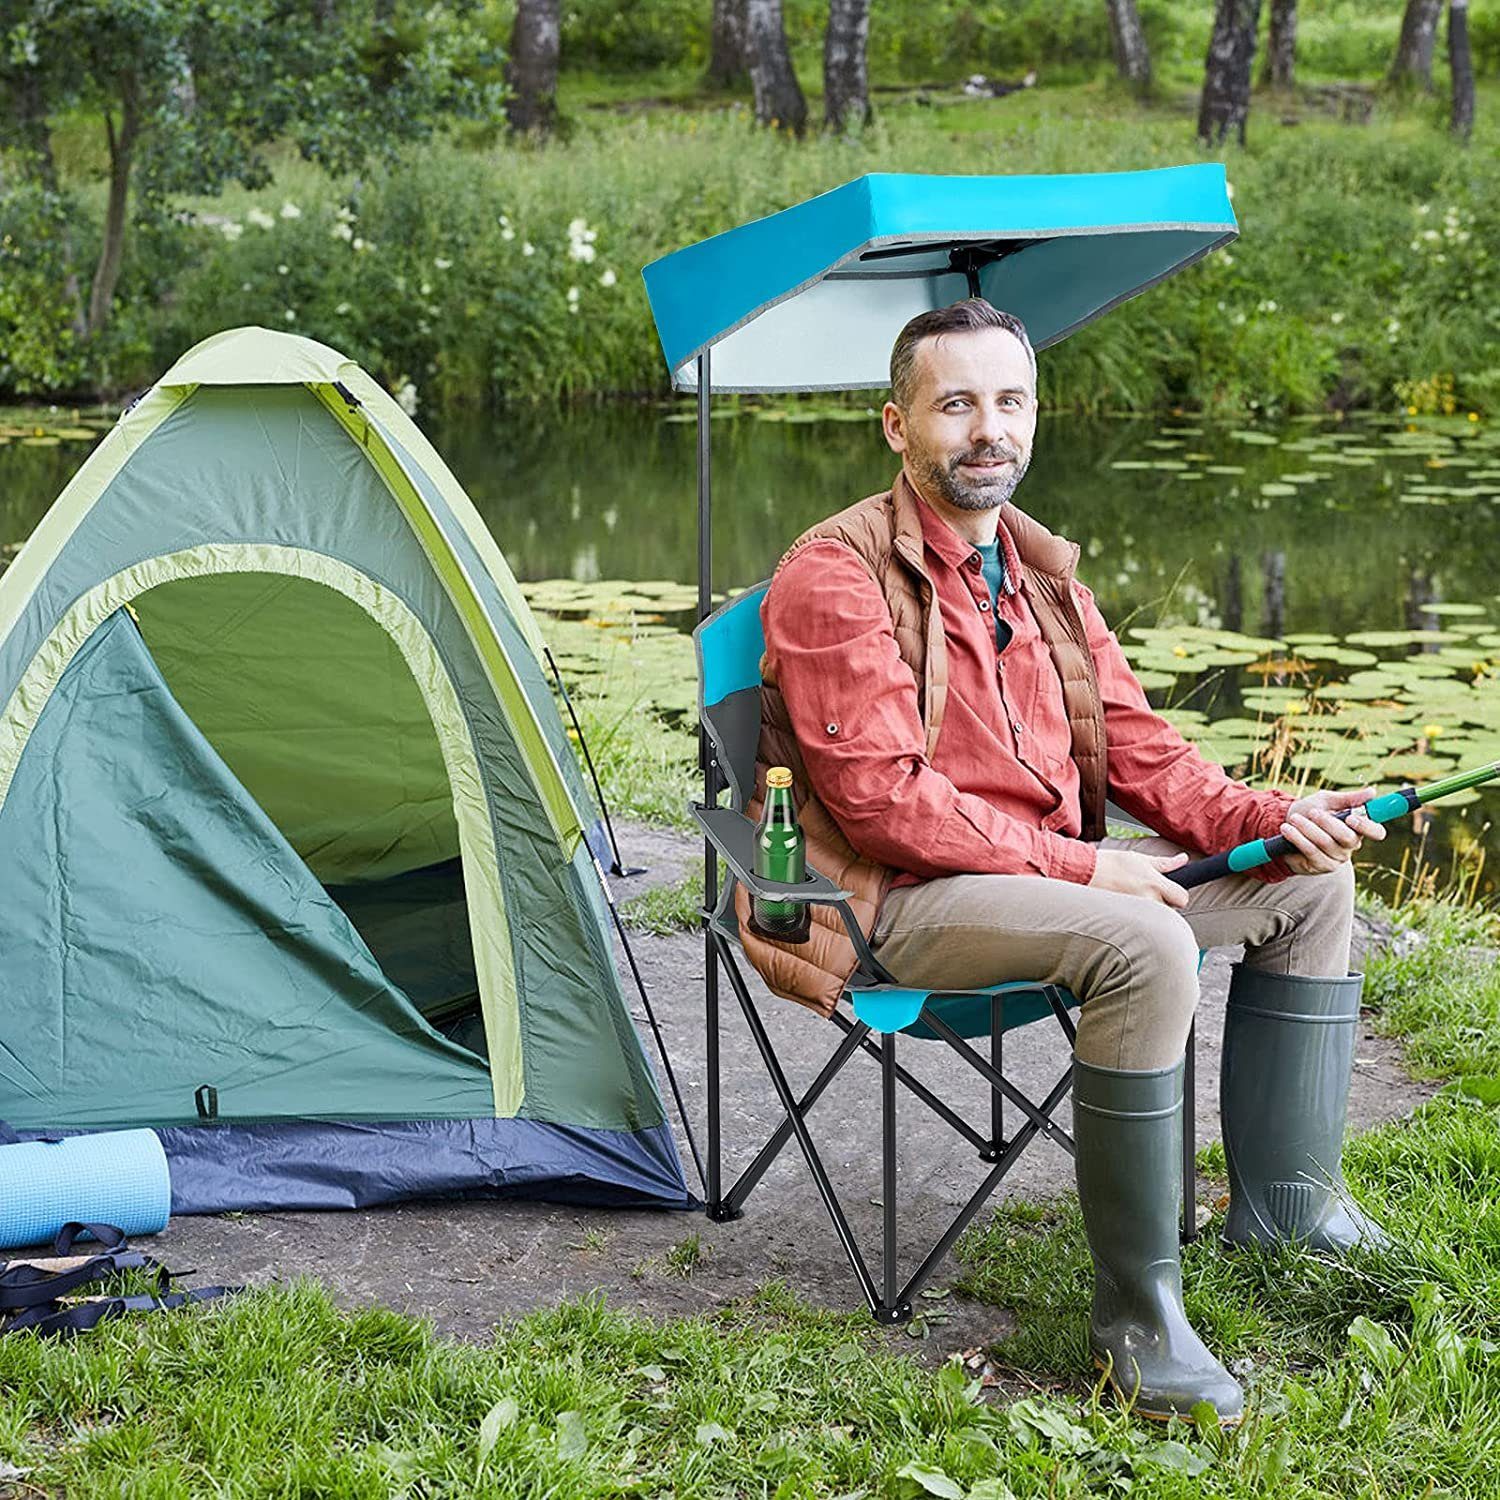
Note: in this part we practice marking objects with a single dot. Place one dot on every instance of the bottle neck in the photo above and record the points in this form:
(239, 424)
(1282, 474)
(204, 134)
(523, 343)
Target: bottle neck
(779, 806)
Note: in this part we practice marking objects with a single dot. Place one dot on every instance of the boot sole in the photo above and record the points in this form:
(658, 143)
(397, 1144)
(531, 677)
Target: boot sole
(1127, 1397)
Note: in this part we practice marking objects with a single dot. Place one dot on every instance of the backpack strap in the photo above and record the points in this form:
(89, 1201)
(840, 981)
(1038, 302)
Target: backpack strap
(37, 1281)
(83, 1315)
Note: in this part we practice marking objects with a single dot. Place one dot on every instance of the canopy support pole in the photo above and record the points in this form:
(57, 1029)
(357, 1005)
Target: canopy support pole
(713, 1189)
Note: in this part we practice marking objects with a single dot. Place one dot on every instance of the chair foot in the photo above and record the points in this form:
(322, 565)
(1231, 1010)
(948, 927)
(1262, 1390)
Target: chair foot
(995, 1151)
(721, 1213)
(893, 1317)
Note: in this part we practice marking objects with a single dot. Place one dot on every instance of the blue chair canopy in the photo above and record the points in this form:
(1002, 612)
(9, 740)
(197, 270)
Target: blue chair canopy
(812, 298)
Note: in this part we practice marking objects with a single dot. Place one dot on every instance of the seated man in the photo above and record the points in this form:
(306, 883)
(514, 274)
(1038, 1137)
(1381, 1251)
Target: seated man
(955, 710)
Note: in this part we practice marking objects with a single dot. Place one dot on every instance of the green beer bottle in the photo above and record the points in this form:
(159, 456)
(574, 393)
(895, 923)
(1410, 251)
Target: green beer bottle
(780, 854)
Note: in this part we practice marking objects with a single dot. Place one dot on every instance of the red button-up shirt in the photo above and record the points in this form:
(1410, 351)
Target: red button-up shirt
(1000, 794)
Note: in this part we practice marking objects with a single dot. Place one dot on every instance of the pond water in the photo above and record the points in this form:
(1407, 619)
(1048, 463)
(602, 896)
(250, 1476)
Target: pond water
(1320, 595)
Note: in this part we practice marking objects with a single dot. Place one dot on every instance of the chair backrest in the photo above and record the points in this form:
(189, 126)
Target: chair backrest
(730, 644)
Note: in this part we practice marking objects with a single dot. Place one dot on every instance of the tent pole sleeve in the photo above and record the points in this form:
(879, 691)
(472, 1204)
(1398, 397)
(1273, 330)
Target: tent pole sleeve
(712, 1187)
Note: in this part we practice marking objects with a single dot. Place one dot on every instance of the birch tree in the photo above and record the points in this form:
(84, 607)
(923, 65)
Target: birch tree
(1413, 59)
(1225, 105)
(535, 44)
(1281, 45)
(778, 95)
(1461, 64)
(1132, 56)
(846, 80)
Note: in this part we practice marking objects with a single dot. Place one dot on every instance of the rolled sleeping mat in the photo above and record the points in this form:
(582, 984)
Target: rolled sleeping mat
(115, 1177)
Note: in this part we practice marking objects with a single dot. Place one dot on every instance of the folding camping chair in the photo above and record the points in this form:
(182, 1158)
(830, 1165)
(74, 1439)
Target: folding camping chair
(730, 644)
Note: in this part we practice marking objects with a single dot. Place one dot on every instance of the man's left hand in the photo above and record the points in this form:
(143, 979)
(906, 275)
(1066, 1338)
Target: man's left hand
(1324, 842)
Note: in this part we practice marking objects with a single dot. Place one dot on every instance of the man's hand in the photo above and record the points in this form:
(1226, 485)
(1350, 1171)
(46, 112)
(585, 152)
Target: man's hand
(1135, 874)
(1322, 841)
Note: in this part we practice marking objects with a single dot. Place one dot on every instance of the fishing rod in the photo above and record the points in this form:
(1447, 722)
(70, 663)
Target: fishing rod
(1383, 809)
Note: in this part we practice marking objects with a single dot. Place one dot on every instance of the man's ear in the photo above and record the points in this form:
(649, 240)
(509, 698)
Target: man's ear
(893, 424)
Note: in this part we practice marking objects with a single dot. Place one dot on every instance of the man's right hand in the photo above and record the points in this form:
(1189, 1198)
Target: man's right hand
(1135, 874)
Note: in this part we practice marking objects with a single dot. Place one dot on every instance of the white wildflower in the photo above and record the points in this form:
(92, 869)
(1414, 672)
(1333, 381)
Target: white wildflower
(426, 288)
(341, 309)
(507, 233)
(289, 210)
(231, 230)
(608, 278)
(1336, 318)
(406, 398)
(282, 270)
(244, 286)
(344, 214)
(441, 264)
(289, 316)
(581, 241)
(573, 296)
(527, 248)
(342, 231)
(261, 219)
(1226, 259)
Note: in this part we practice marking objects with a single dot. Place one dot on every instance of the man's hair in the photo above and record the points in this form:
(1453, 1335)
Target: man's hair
(968, 316)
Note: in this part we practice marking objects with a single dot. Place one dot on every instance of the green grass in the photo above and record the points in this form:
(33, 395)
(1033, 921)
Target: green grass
(666, 909)
(1375, 1377)
(1437, 987)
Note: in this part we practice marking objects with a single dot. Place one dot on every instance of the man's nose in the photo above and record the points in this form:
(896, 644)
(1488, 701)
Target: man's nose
(989, 427)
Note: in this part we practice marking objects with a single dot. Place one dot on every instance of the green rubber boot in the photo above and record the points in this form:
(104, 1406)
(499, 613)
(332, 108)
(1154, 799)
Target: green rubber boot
(1283, 1090)
(1127, 1127)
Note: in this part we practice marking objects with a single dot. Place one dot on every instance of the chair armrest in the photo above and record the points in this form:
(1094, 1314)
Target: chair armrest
(733, 835)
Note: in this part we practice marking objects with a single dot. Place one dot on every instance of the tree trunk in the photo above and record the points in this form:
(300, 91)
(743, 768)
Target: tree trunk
(121, 154)
(1281, 45)
(535, 42)
(726, 57)
(846, 79)
(778, 95)
(1226, 73)
(1413, 59)
(1461, 63)
(1132, 57)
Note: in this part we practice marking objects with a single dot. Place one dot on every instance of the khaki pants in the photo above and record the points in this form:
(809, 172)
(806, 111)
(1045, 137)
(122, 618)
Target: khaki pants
(1132, 962)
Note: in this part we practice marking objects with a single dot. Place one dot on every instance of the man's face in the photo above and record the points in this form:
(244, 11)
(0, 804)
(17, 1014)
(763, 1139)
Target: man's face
(968, 433)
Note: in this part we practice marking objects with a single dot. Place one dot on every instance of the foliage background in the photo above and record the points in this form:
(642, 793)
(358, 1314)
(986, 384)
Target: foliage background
(1365, 275)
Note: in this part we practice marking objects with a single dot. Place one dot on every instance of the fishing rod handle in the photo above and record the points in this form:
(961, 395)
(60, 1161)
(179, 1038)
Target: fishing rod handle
(1383, 809)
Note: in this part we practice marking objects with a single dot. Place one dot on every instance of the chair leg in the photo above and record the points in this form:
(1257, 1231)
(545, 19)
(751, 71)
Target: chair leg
(715, 1208)
(997, 1099)
(1189, 1142)
(886, 1311)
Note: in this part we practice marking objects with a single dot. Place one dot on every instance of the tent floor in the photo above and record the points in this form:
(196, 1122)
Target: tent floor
(466, 1265)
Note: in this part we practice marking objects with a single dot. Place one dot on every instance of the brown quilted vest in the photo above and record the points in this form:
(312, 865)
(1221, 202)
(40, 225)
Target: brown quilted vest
(886, 531)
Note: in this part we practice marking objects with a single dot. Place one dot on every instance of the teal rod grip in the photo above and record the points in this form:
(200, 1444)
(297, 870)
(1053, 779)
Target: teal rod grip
(1249, 856)
(1388, 807)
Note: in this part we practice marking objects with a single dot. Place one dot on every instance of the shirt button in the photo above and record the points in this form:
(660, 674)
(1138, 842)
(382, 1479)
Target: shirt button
(984, 605)
(831, 728)
(1016, 725)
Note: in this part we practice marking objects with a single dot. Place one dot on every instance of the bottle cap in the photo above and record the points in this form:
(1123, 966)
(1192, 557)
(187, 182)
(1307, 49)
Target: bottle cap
(778, 776)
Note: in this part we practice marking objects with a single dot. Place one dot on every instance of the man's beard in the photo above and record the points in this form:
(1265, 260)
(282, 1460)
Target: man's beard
(985, 494)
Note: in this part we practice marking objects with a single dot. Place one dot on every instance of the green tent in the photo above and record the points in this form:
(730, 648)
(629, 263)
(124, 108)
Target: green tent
(293, 853)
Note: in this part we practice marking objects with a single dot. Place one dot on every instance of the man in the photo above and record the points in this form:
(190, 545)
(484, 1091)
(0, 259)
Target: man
(955, 710)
